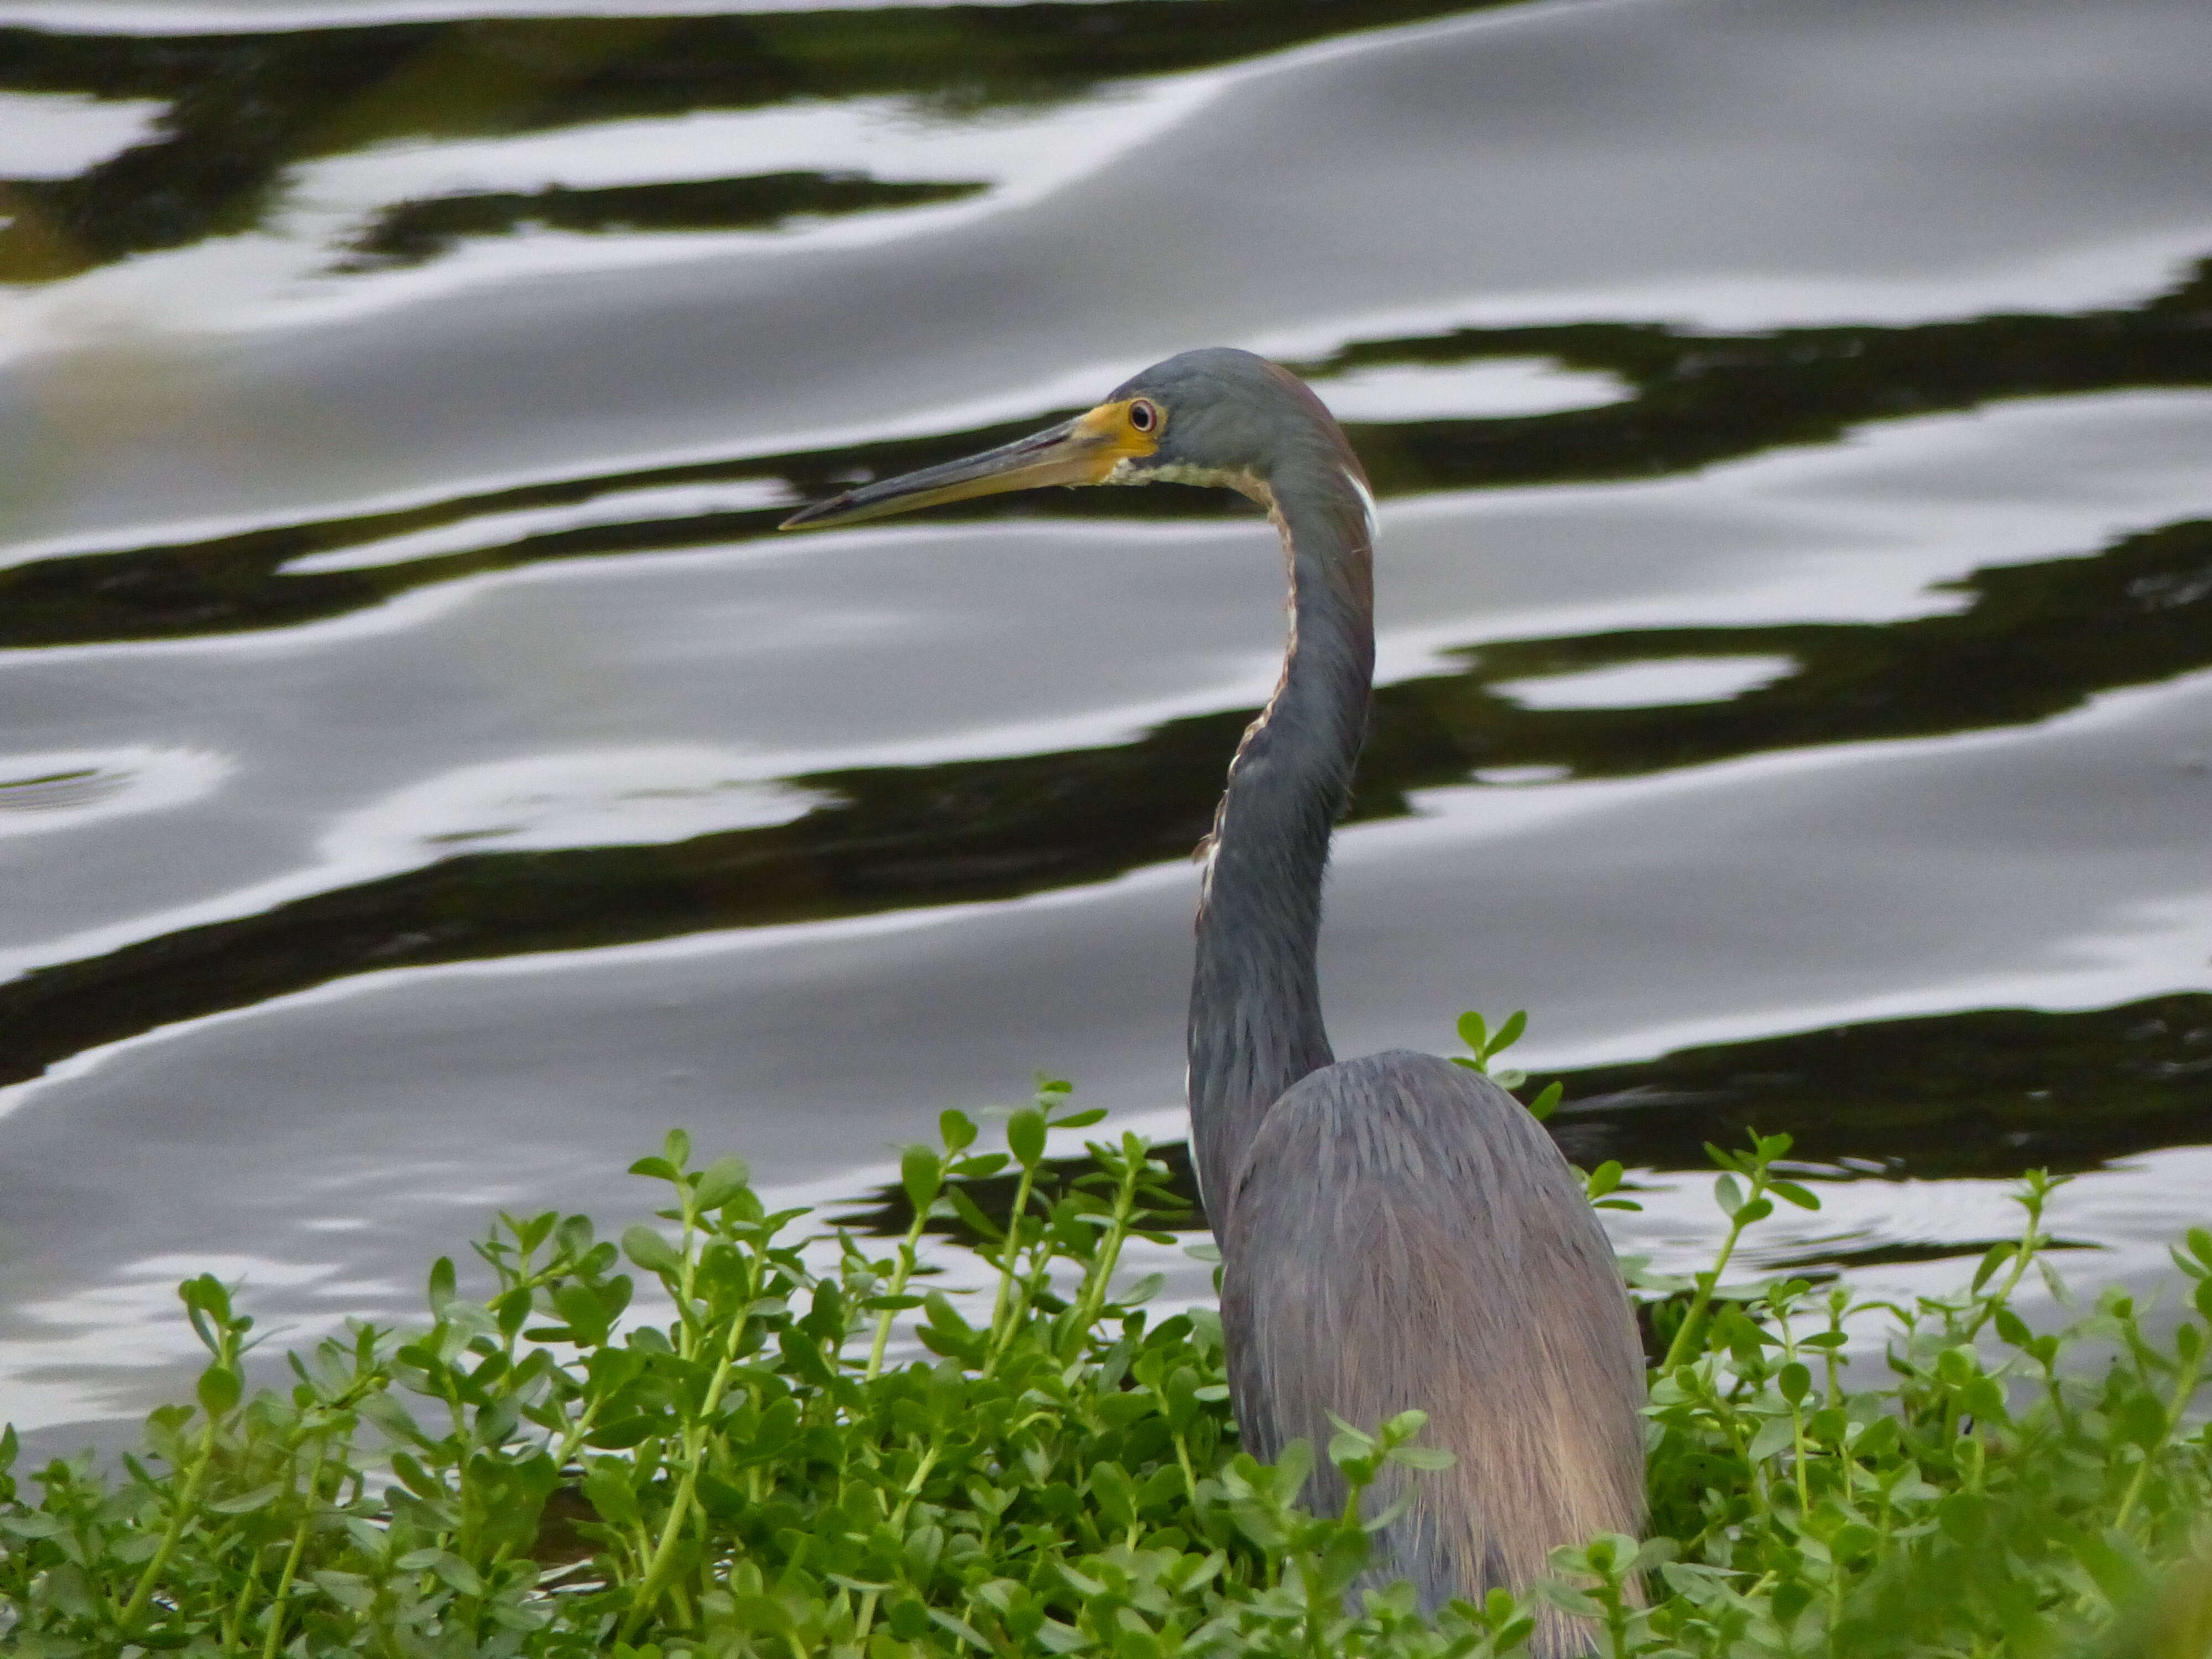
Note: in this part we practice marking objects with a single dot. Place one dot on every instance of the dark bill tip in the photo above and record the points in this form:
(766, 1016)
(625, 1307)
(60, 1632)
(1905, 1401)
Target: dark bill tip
(814, 511)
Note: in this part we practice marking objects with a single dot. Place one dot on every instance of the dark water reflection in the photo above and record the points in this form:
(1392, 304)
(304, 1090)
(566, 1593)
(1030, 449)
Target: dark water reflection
(414, 233)
(1700, 399)
(1990, 1095)
(245, 107)
(2033, 641)
(1806, 716)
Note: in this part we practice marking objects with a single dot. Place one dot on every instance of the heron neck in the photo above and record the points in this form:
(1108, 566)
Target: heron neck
(1256, 1018)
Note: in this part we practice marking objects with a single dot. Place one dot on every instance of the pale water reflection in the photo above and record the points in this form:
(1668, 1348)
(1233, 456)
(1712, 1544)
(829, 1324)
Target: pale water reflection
(57, 135)
(51, 794)
(1477, 391)
(1647, 684)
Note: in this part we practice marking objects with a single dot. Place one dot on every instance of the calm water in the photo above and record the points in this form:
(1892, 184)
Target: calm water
(423, 777)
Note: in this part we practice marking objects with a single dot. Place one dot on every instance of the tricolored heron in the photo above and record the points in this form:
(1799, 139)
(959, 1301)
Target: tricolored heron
(1396, 1231)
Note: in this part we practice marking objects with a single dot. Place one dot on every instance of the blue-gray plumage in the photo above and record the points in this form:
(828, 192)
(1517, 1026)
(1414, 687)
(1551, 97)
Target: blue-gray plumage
(1404, 1234)
(1397, 1232)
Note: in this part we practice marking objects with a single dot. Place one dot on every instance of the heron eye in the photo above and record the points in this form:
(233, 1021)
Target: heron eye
(1144, 416)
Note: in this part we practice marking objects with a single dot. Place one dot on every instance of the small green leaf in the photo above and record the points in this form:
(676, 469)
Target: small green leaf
(1142, 1291)
(943, 1314)
(965, 1633)
(246, 1502)
(909, 1618)
(1056, 1637)
(389, 1415)
(1112, 1490)
(609, 1493)
(2142, 1421)
(1774, 1435)
(457, 1573)
(512, 1310)
(1025, 1135)
(722, 1181)
(760, 1612)
(349, 1589)
(1878, 1439)
(971, 1213)
(1992, 1258)
(646, 1247)
(1568, 1600)
(588, 1320)
(219, 1390)
(1422, 1457)
(921, 1173)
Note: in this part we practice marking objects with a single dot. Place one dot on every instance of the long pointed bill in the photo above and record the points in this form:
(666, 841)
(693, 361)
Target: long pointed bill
(1082, 451)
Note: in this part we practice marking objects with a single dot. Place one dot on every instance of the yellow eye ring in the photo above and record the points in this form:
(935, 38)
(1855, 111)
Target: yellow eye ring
(1145, 416)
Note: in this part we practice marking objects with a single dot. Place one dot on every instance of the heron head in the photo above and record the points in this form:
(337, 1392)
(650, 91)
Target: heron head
(1216, 416)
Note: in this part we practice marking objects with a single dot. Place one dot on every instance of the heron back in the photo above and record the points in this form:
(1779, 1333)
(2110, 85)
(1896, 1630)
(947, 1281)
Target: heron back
(1405, 1235)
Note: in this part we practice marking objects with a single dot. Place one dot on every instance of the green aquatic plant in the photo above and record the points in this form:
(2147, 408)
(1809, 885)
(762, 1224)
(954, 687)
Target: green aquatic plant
(804, 1444)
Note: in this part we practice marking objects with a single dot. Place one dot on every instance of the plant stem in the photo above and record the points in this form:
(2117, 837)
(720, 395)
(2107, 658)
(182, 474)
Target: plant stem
(898, 1288)
(1006, 1268)
(695, 1442)
(1109, 1251)
(1797, 1444)
(2182, 1389)
(1182, 1456)
(1693, 1322)
(2021, 1258)
(236, 1616)
(292, 1559)
(687, 1276)
(134, 1609)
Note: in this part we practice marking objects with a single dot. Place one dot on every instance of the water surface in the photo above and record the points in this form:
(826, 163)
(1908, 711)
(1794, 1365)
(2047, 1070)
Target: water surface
(425, 777)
